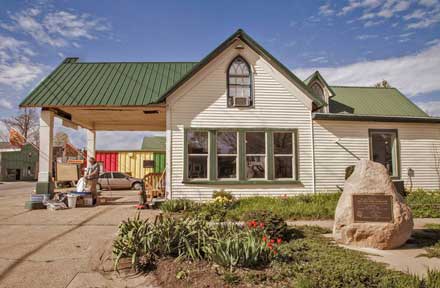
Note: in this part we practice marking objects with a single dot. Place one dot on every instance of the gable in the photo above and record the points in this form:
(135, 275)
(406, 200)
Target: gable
(241, 38)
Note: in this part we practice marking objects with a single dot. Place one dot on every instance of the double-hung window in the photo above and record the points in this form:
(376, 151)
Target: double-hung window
(383, 149)
(255, 155)
(197, 142)
(227, 153)
(283, 155)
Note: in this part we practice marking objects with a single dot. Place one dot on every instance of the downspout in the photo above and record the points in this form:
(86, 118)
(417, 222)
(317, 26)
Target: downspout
(313, 153)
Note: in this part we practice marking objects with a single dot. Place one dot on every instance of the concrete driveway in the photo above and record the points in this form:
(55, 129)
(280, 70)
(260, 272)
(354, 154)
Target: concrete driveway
(42, 248)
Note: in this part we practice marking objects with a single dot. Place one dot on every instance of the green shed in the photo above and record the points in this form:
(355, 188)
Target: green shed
(18, 164)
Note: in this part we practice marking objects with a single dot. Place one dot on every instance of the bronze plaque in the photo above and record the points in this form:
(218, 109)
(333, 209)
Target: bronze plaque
(372, 208)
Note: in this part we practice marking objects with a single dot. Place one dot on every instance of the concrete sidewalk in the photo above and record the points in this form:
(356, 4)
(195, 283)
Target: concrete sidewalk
(405, 258)
(41, 248)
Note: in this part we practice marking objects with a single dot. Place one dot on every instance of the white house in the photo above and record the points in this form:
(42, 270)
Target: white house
(239, 120)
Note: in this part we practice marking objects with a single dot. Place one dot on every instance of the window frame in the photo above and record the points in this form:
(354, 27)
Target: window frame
(396, 149)
(265, 155)
(241, 178)
(237, 157)
(251, 84)
(293, 155)
(187, 155)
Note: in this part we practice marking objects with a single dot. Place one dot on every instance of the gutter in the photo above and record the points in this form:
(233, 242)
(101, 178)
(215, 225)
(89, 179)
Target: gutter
(374, 118)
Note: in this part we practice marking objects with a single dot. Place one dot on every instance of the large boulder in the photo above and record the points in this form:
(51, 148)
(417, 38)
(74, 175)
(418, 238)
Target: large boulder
(371, 178)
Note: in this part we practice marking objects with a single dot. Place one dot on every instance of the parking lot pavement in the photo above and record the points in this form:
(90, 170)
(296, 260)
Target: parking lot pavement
(42, 248)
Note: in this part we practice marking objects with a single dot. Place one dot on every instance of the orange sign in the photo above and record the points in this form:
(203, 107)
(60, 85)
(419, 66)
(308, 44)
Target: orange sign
(75, 161)
(16, 139)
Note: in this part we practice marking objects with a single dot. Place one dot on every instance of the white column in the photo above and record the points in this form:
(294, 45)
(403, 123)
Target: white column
(46, 139)
(91, 144)
(168, 154)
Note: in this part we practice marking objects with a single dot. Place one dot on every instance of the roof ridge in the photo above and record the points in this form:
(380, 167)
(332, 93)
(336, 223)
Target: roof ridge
(137, 62)
(371, 87)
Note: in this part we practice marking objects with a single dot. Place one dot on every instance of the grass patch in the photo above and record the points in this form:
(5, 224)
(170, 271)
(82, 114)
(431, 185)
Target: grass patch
(424, 204)
(316, 206)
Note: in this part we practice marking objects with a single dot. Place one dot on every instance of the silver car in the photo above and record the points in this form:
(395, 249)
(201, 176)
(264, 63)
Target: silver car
(118, 180)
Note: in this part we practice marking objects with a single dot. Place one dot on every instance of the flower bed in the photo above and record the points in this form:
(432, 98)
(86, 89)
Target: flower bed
(192, 252)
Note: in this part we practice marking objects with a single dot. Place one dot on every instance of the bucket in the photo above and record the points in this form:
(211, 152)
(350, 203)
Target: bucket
(71, 201)
(88, 201)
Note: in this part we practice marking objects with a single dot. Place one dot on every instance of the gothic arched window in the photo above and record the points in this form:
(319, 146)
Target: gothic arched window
(239, 83)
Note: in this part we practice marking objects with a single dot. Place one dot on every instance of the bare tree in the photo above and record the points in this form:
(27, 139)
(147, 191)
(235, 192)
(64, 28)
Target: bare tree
(26, 122)
(382, 84)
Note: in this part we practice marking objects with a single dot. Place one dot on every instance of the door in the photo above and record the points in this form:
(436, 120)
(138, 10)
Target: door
(17, 174)
(121, 181)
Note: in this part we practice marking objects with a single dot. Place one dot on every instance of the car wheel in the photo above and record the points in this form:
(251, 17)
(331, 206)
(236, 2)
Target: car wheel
(136, 186)
(98, 187)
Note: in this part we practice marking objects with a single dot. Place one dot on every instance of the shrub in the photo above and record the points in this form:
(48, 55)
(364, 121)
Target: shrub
(275, 226)
(242, 249)
(178, 205)
(228, 245)
(222, 194)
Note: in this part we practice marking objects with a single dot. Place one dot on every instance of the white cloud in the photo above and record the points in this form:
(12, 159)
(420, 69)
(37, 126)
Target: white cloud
(430, 107)
(428, 3)
(5, 104)
(319, 59)
(433, 42)
(16, 68)
(55, 28)
(326, 10)
(428, 21)
(412, 74)
(18, 75)
(425, 13)
(355, 4)
(366, 37)
(417, 14)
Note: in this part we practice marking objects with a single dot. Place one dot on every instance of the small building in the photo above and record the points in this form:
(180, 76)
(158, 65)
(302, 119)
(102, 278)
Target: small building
(137, 163)
(18, 163)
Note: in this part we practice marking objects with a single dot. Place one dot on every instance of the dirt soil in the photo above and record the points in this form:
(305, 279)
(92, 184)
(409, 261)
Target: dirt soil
(195, 275)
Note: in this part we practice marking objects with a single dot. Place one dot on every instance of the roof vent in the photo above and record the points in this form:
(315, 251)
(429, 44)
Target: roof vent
(70, 60)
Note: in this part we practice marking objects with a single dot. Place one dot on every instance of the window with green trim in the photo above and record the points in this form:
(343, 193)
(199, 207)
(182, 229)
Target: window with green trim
(227, 154)
(383, 149)
(241, 156)
(255, 155)
(283, 147)
(197, 142)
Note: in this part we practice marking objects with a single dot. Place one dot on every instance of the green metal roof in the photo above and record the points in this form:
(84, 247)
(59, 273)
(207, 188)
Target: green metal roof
(106, 84)
(75, 83)
(373, 101)
(155, 144)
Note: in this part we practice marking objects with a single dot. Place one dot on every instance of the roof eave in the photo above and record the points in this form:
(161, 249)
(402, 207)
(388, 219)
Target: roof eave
(374, 118)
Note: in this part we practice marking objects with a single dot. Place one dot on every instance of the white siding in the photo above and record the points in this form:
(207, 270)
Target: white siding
(202, 104)
(416, 143)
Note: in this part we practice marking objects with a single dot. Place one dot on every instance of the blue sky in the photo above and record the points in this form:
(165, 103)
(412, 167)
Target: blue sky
(355, 42)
